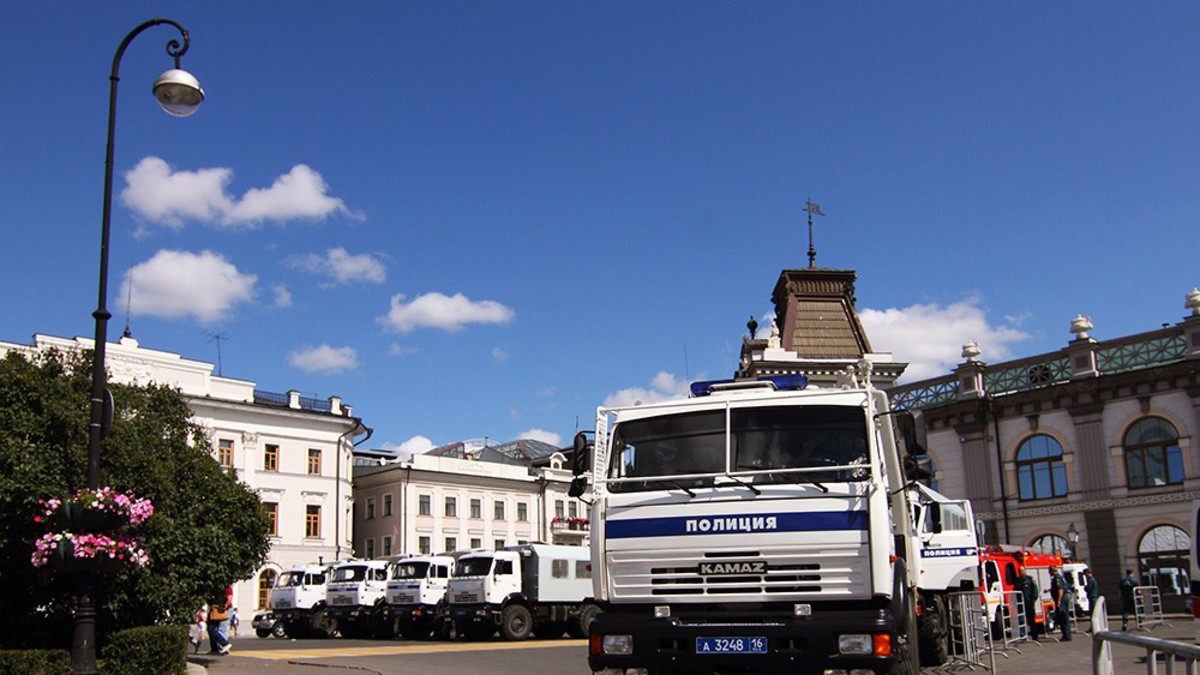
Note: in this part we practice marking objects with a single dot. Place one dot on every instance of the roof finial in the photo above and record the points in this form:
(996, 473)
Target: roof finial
(811, 208)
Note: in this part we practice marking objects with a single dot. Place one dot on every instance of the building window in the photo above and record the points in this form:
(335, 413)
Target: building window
(558, 509)
(387, 505)
(522, 511)
(1152, 455)
(314, 462)
(370, 548)
(312, 521)
(1164, 560)
(498, 544)
(387, 546)
(476, 508)
(451, 544)
(271, 458)
(498, 510)
(272, 511)
(370, 508)
(225, 453)
(572, 510)
(451, 507)
(476, 542)
(265, 581)
(423, 545)
(423, 507)
(1041, 473)
(1052, 544)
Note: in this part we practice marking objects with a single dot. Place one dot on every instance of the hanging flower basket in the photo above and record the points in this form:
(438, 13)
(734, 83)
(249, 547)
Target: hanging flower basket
(88, 532)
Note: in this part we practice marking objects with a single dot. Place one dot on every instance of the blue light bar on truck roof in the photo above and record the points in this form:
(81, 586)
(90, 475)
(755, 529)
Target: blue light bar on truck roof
(790, 382)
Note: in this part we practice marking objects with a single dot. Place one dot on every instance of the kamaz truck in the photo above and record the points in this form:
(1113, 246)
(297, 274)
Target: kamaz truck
(764, 526)
(355, 597)
(298, 602)
(416, 597)
(537, 589)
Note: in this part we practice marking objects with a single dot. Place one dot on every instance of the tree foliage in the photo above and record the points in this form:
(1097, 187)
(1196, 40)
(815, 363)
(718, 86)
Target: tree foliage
(208, 529)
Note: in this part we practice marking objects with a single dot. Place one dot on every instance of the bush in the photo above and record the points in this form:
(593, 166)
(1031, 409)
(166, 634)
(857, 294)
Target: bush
(150, 650)
(35, 662)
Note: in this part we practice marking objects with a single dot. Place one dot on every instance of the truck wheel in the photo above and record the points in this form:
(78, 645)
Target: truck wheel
(262, 632)
(277, 630)
(931, 632)
(906, 649)
(516, 623)
(581, 626)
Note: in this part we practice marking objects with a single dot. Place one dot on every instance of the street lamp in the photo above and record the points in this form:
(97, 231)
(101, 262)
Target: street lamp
(1073, 537)
(179, 93)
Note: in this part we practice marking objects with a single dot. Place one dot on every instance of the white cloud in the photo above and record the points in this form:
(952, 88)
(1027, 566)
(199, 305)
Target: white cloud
(283, 297)
(417, 445)
(543, 436)
(344, 268)
(500, 355)
(175, 284)
(930, 337)
(398, 349)
(324, 359)
(160, 195)
(435, 310)
(663, 387)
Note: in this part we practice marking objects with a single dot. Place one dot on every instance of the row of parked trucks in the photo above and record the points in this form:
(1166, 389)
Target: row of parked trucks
(531, 589)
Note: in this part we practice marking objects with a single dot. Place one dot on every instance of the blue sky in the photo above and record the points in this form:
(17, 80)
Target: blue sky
(476, 219)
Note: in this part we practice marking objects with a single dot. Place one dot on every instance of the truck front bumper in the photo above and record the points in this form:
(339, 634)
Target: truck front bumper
(474, 614)
(800, 644)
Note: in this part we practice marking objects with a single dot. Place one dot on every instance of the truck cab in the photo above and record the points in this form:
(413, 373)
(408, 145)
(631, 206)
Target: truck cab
(355, 594)
(477, 591)
(298, 601)
(416, 594)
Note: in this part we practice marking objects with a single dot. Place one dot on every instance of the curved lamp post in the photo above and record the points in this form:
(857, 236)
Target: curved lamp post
(179, 93)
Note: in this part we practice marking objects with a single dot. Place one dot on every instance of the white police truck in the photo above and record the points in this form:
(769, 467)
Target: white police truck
(765, 526)
(416, 596)
(298, 602)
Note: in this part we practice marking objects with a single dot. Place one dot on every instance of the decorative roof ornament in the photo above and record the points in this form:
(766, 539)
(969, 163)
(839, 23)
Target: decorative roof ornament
(971, 352)
(1193, 301)
(1080, 326)
(774, 341)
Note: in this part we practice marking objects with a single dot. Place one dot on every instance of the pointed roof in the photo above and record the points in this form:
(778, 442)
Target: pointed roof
(816, 316)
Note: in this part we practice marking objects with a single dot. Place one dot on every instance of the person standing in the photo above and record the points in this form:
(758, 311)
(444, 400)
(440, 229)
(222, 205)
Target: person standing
(1064, 601)
(218, 625)
(1029, 596)
(1128, 584)
(198, 630)
(1091, 590)
(233, 621)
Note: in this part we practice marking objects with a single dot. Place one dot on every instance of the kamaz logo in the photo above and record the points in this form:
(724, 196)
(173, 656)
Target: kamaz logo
(754, 567)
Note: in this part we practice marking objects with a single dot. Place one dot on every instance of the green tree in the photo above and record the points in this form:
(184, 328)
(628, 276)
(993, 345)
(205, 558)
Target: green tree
(208, 529)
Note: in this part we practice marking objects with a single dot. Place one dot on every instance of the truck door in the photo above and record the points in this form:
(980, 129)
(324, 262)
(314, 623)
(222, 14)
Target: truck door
(993, 588)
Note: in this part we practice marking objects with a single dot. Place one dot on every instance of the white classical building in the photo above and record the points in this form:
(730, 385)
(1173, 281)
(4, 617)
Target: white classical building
(295, 452)
(462, 496)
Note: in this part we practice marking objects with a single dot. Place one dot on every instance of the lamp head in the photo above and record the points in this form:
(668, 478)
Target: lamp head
(178, 92)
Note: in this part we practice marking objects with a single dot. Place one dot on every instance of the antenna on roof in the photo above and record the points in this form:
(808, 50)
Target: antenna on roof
(128, 304)
(218, 337)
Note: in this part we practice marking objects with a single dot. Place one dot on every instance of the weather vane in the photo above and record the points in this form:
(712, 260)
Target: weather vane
(811, 208)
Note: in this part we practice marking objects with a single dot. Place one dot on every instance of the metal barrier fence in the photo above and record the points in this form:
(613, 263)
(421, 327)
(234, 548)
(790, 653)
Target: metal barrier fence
(1148, 611)
(1011, 626)
(1102, 638)
(971, 644)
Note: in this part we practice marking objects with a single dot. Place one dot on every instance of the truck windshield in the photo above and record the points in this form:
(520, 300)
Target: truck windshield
(472, 567)
(409, 570)
(772, 444)
(290, 579)
(350, 573)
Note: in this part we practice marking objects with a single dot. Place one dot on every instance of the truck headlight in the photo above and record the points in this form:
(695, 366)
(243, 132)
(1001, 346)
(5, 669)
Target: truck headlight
(616, 644)
(856, 643)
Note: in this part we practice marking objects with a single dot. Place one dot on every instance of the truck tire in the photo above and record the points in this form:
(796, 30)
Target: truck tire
(581, 626)
(277, 630)
(262, 632)
(932, 632)
(906, 648)
(516, 623)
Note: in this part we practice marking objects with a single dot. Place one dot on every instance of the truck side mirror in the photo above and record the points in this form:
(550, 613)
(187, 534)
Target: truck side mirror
(582, 455)
(577, 487)
(918, 468)
(910, 425)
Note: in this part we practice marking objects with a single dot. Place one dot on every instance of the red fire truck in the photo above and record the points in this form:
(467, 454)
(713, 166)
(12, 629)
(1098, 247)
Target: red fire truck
(1000, 567)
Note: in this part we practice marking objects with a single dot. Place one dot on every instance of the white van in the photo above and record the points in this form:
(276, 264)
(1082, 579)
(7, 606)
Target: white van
(1074, 574)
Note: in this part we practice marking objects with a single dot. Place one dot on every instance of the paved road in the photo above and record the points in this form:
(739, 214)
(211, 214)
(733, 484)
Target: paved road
(252, 656)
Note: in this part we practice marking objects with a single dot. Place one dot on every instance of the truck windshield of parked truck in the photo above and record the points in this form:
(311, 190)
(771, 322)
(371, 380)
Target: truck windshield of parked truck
(769, 444)
(350, 573)
(297, 578)
(473, 567)
(410, 570)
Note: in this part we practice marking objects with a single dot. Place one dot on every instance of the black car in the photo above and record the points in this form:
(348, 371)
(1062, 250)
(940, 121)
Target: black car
(265, 624)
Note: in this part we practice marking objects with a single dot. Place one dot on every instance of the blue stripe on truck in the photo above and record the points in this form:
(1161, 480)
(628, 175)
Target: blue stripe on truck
(676, 526)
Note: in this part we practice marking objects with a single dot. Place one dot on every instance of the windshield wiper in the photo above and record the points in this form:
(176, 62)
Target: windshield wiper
(741, 482)
(799, 478)
(674, 485)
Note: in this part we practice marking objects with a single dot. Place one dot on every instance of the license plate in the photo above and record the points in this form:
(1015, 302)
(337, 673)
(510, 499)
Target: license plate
(731, 645)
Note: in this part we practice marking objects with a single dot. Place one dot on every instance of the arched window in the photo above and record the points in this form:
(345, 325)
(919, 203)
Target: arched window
(1164, 556)
(1051, 544)
(1152, 455)
(265, 581)
(1041, 473)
